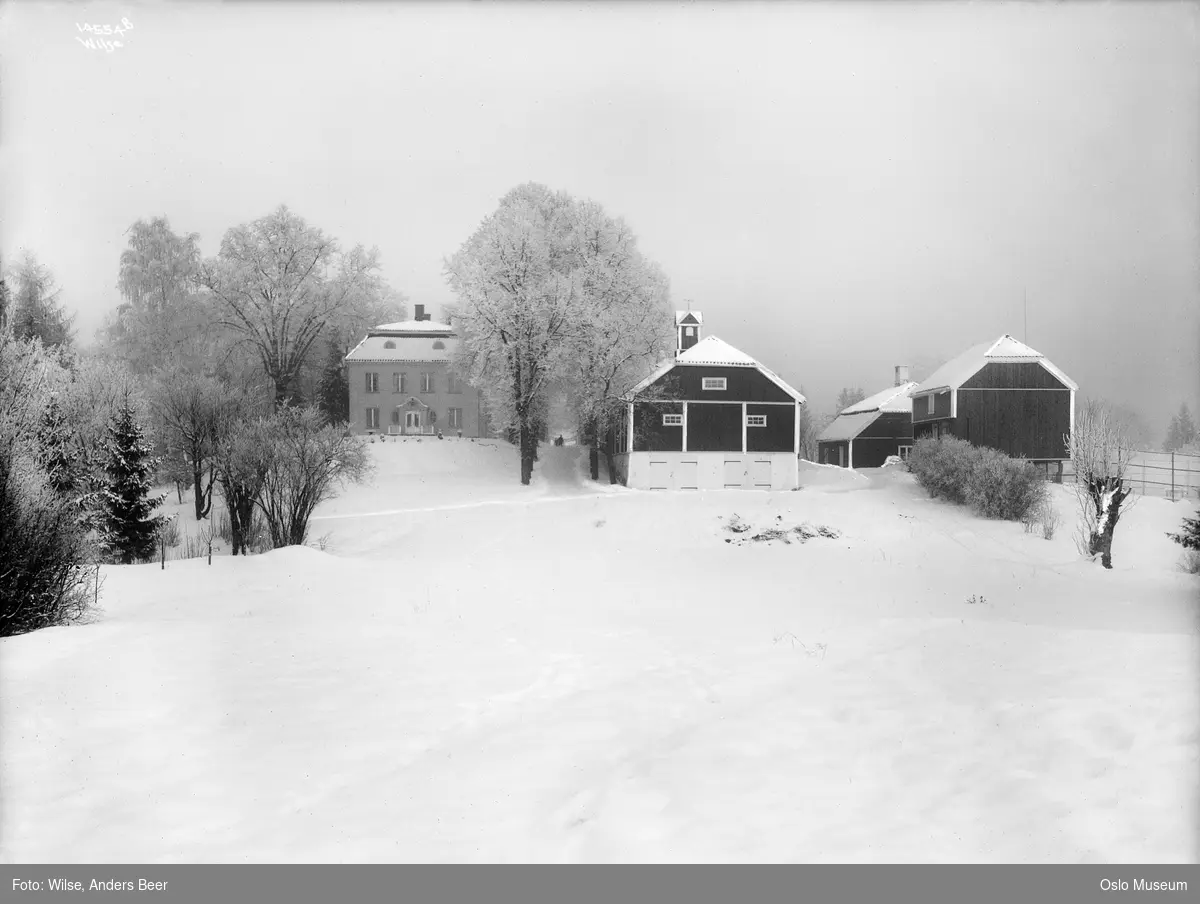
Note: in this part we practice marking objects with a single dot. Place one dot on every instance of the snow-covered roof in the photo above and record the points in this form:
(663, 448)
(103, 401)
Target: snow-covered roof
(414, 326)
(695, 317)
(1006, 349)
(714, 352)
(893, 399)
(848, 426)
(416, 349)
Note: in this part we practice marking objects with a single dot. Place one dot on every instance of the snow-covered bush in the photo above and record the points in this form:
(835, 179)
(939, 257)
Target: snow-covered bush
(942, 467)
(992, 483)
(45, 566)
(45, 557)
(1003, 487)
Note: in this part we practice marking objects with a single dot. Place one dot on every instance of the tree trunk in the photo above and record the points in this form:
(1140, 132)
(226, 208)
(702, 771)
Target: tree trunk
(612, 470)
(282, 385)
(528, 452)
(198, 483)
(1100, 541)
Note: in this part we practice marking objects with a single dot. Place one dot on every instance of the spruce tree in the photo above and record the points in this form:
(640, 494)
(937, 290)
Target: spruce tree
(60, 456)
(334, 392)
(1189, 537)
(127, 525)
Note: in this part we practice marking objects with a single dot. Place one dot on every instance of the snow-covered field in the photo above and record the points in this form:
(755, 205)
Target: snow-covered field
(476, 671)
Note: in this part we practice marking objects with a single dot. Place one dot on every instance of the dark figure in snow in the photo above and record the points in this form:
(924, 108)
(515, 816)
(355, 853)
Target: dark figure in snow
(440, 435)
(559, 440)
(460, 434)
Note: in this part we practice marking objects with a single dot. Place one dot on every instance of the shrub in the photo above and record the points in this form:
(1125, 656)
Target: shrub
(1002, 487)
(168, 531)
(303, 462)
(1048, 516)
(993, 484)
(45, 568)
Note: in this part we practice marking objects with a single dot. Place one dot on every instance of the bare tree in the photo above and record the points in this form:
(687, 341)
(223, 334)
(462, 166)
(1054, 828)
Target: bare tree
(1101, 450)
(281, 282)
(303, 461)
(191, 408)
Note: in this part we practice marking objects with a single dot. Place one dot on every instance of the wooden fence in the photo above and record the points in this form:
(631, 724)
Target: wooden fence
(1173, 475)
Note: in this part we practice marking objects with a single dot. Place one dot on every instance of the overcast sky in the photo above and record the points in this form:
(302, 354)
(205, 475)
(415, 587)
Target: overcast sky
(838, 187)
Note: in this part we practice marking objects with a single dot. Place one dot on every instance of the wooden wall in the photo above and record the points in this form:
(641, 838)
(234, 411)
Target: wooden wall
(649, 434)
(1013, 375)
(715, 428)
(742, 384)
(778, 436)
(941, 407)
(1029, 423)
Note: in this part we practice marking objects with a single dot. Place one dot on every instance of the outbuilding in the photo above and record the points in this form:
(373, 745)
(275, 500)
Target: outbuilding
(711, 417)
(865, 434)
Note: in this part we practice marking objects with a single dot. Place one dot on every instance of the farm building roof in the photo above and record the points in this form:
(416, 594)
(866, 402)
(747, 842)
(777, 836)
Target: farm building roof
(713, 352)
(1006, 349)
(848, 426)
(893, 399)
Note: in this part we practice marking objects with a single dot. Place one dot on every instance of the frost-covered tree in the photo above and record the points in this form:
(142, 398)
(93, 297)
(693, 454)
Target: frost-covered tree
(1101, 451)
(333, 392)
(532, 285)
(127, 524)
(62, 459)
(848, 397)
(5, 304)
(1182, 432)
(37, 312)
(163, 319)
(281, 283)
(625, 325)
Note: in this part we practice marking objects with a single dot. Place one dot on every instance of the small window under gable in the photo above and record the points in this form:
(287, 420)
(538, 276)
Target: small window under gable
(756, 420)
(439, 344)
(713, 383)
(389, 344)
(689, 331)
(672, 420)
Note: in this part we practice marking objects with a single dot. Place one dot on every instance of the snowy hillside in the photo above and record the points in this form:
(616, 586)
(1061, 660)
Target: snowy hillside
(479, 671)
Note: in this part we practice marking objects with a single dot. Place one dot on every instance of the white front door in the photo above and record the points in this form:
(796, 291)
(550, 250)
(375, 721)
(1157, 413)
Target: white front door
(412, 422)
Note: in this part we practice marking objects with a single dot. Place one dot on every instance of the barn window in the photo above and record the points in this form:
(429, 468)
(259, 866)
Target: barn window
(389, 344)
(756, 420)
(717, 383)
(905, 451)
(672, 420)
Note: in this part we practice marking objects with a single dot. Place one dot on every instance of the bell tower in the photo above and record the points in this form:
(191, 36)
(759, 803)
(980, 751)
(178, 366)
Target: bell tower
(687, 330)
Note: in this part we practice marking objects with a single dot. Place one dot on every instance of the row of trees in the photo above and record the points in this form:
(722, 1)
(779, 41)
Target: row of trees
(554, 298)
(210, 375)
